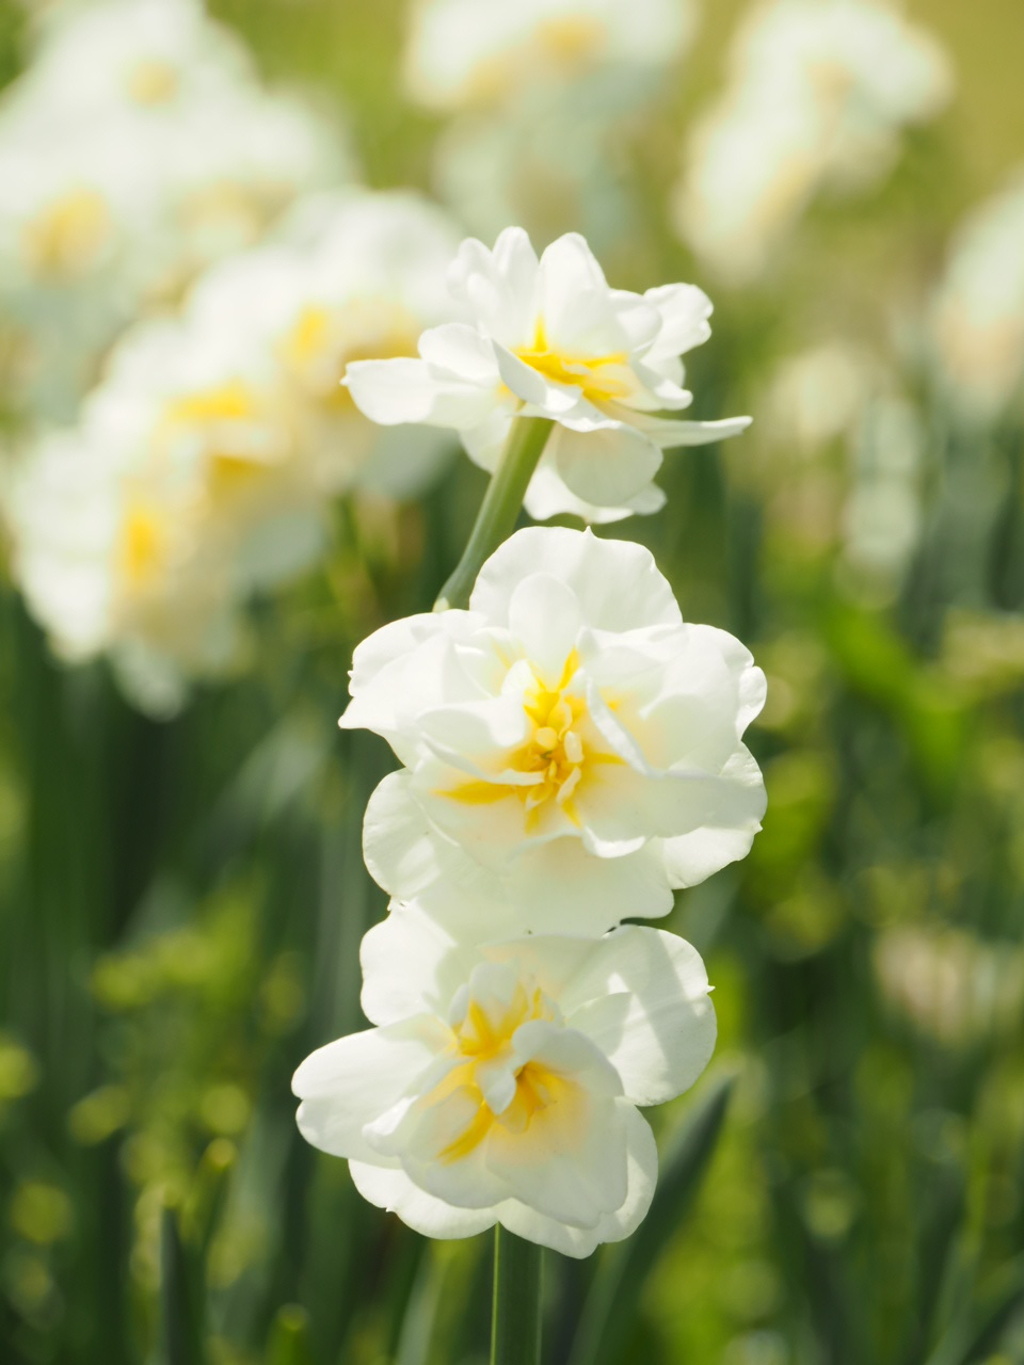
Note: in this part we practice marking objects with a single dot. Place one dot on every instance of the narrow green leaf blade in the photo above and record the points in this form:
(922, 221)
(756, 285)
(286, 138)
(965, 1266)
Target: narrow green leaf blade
(609, 1307)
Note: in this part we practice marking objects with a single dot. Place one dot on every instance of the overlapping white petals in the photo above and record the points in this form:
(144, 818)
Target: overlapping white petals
(549, 338)
(202, 465)
(500, 1082)
(138, 147)
(573, 750)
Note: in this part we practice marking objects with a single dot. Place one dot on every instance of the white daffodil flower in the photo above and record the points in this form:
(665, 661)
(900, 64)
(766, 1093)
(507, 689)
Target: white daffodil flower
(349, 275)
(153, 56)
(549, 338)
(572, 748)
(110, 556)
(472, 52)
(137, 148)
(977, 319)
(818, 93)
(501, 1081)
(217, 438)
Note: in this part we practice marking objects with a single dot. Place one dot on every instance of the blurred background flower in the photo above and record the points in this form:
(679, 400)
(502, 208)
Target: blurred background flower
(205, 214)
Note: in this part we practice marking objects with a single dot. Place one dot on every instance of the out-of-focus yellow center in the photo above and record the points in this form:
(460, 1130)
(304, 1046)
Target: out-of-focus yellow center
(223, 417)
(323, 340)
(484, 1039)
(601, 378)
(573, 39)
(227, 215)
(65, 240)
(230, 402)
(142, 550)
(152, 81)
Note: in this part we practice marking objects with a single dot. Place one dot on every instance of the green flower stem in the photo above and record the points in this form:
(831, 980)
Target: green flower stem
(515, 1325)
(496, 519)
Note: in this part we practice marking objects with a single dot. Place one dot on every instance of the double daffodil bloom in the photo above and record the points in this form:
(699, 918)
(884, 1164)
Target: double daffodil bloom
(501, 1081)
(572, 749)
(549, 338)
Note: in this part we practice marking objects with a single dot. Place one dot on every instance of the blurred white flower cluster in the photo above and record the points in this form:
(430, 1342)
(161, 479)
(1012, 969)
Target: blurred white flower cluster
(540, 92)
(137, 147)
(483, 52)
(818, 93)
(202, 465)
(978, 313)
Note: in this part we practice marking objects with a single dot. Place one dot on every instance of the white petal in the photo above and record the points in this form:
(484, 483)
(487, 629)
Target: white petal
(394, 641)
(642, 997)
(544, 613)
(498, 287)
(411, 965)
(639, 318)
(605, 467)
(575, 301)
(668, 434)
(641, 1178)
(617, 583)
(393, 391)
(727, 834)
(345, 1085)
(560, 888)
(462, 351)
(684, 311)
(575, 1179)
(391, 1189)
(547, 496)
(403, 668)
(410, 859)
(485, 442)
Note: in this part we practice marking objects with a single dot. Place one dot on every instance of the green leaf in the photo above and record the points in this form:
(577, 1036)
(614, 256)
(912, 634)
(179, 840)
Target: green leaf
(289, 1342)
(609, 1308)
(973, 1340)
(181, 1315)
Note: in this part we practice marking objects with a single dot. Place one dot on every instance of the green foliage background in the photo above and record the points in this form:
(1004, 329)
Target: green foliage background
(182, 903)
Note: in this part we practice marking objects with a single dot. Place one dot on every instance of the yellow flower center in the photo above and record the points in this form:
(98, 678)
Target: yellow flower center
(601, 378)
(555, 749)
(484, 1040)
(228, 418)
(572, 40)
(227, 215)
(142, 547)
(230, 402)
(152, 81)
(323, 340)
(556, 754)
(65, 240)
